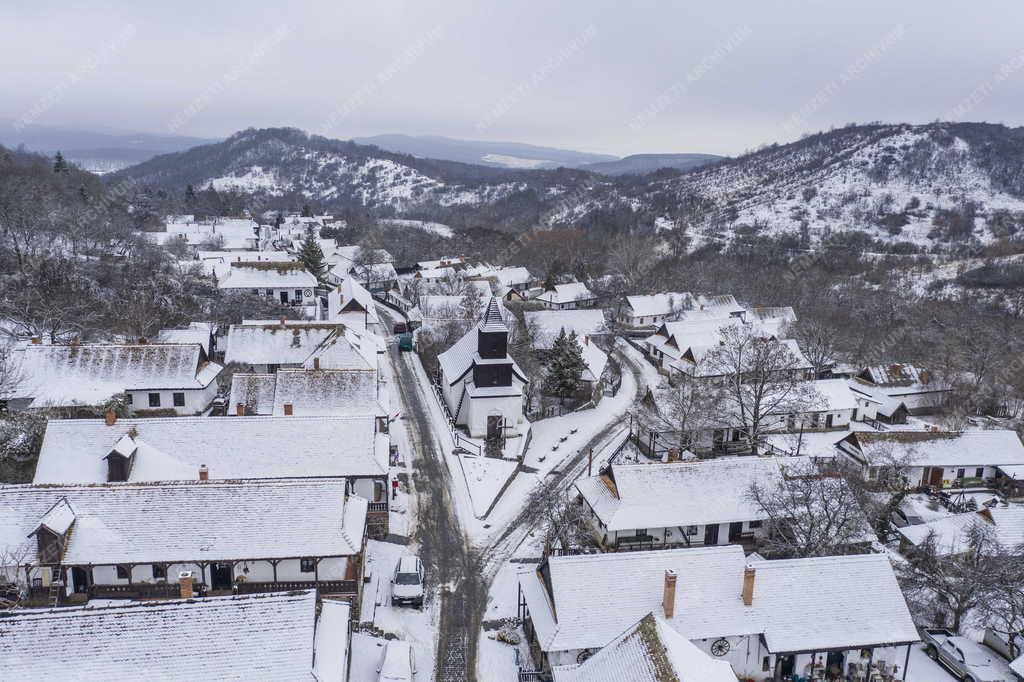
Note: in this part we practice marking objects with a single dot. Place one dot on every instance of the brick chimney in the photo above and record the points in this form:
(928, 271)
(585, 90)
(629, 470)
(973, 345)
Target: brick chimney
(749, 572)
(668, 600)
(36, 340)
(110, 418)
(287, 409)
(240, 409)
(204, 473)
(185, 584)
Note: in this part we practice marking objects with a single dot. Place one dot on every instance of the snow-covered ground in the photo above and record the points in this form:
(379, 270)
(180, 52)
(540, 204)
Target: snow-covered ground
(485, 478)
(440, 229)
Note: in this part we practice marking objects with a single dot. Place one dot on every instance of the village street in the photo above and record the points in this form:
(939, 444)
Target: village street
(462, 567)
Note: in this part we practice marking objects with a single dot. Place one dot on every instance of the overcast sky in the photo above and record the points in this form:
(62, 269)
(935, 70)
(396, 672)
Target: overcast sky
(594, 75)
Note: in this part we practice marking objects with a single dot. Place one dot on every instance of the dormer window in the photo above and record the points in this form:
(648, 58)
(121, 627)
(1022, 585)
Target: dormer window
(117, 468)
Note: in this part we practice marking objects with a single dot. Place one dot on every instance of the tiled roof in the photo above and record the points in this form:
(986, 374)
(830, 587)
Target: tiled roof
(296, 343)
(327, 392)
(945, 448)
(192, 521)
(649, 651)
(659, 304)
(566, 293)
(798, 605)
(269, 275)
(547, 324)
(1005, 524)
(682, 493)
(253, 637)
(91, 373)
(492, 320)
(231, 447)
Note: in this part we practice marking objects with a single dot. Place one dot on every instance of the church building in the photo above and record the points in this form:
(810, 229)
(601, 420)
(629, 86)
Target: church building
(482, 385)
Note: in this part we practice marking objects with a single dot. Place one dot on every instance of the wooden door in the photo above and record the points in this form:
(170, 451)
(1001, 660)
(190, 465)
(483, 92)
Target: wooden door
(735, 531)
(711, 534)
(936, 477)
(494, 427)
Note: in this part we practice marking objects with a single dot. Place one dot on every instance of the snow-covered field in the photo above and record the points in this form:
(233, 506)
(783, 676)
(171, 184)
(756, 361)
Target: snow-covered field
(440, 229)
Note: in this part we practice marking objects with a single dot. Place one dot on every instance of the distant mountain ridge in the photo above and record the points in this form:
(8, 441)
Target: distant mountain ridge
(498, 154)
(96, 150)
(642, 164)
(926, 185)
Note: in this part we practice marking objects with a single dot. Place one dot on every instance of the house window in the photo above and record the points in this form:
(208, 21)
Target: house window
(159, 572)
(270, 292)
(127, 398)
(979, 472)
(179, 400)
(298, 294)
(754, 524)
(307, 565)
(154, 400)
(641, 532)
(960, 473)
(122, 573)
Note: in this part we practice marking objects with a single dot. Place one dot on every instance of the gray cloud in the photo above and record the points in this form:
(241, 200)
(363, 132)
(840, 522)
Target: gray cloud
(486, 49)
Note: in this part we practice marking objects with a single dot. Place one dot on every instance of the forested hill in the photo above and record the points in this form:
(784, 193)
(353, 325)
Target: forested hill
(920, 186)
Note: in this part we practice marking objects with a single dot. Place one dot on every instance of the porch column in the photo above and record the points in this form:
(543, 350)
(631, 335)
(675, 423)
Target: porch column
(906, 662)
(316, 569)
(131, 567)
(274, 563)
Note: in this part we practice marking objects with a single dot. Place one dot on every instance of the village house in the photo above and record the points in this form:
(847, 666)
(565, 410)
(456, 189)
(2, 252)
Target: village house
(901, 390)
(649, 651)
(202, 333)
(264, 346)
(566, 296)
(767, 619)
(350, 303)
(218, 263)
(940, 459)
(282, 636)
(92, 451)
(544, 326)
(287, 282)
(1002, 523)
(654, 309)
(132, 540)
(680, 504)
(308, 392)
(482, 385)
(510, 279)
(373, 268)
(169, 378)
(231, 234)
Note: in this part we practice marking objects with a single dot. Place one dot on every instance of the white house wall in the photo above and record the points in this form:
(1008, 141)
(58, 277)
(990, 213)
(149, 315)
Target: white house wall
(196, 400)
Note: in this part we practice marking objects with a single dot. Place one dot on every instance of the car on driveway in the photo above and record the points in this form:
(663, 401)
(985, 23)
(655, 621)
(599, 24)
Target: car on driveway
(407, 583)
(966, 659)
(398, 663)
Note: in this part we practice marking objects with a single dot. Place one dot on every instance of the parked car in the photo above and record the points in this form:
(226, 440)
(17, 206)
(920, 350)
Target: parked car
(407, 584)
(965, 658)
(406, 342)
(398, 663)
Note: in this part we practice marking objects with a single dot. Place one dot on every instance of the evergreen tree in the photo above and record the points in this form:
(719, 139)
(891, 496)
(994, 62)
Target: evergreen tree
(307, 212)
(190, 195)
(59, 164)
(565, 366)
(311, 255)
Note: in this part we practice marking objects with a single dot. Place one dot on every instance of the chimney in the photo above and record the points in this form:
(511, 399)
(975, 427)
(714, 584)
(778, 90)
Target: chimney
(185, 584)
(110, 418)
(36, 340)
(287, 409)
(668, 600)
(673, 455)
(748, 584)
(586, 340)
(240, 409)
(204, 473)
(316, 363)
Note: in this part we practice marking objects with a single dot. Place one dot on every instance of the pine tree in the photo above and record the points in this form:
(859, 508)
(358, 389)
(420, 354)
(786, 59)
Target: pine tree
(565, 366)
(311, 255)
(59, 164)
(190, 195)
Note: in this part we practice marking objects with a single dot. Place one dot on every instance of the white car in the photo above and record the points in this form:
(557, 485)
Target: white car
(965, 658)
(407, 583)
(398, 663)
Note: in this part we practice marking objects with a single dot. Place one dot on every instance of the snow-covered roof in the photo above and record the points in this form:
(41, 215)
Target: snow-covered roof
(649, 651)
(268, 275)
(594, 358)
(718, 301)
(823, 603)
(900, 374)
(262, 636)
(547, 324)
(308, 391)
(832, 395)
(331, 644)
(937, 448)
(493, 320)
(351, 303)
(173, 448)
(798, 605)
(91, 373)
(297, 343)
(566, 293)
(510, 277)
(219, 262)
(659, 304)
(1006, 525)
(459, 359)
(189, 521)
(195, 332)
(433, 264)
(681, 493)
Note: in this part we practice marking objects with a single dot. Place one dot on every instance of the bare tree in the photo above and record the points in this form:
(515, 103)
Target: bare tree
(1002, 610)
(810, 512)
(818, 342)
(688, 409)
(563, 518)
(945, 587)
(761, 380)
